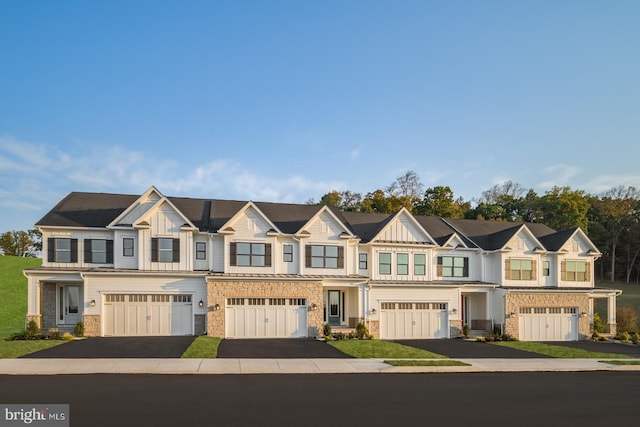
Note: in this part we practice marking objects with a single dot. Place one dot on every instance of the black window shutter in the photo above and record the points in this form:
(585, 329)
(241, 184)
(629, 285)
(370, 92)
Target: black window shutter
(267, 254)
(307, 256)
(74, 250)
(154, 249)
(465, 272)
(232, 253)
(88, 255)
(340, 257)
(51, 249)
(439, 267)
(176, 250)
(109, 251)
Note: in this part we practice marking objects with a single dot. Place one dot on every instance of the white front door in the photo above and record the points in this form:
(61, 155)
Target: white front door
(69, 304)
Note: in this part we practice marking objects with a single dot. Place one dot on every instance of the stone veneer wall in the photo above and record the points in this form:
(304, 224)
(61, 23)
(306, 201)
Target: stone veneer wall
(513, 302)
(218, 291)
(48, 308)
(91, 325)
(374, 328)
(455, 328)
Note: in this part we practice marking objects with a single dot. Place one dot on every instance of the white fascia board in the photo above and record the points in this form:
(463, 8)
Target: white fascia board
(456, 237)
(155, 207)
(584, 236)
(415, 222)
(233, 219)
(317, 215)
(144, 195)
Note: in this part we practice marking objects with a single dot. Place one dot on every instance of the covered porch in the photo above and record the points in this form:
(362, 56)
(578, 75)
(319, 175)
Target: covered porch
(476, 309)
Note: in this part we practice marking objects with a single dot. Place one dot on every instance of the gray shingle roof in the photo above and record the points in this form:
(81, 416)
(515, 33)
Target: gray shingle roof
(100, 209)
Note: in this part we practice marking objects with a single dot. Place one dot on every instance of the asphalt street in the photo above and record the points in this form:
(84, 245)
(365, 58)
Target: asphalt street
(496, 399)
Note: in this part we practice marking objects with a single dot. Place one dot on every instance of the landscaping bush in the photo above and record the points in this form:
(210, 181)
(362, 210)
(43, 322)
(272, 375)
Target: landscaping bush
(624, 337)
(598, 326)
(362, 333)
(635, 338)
(79, 329)
(627, 319)
(326, 330)
(465, 330)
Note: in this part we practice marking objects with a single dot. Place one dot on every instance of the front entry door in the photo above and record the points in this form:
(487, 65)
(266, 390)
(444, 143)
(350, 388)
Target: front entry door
(334, 308)
(69, 305)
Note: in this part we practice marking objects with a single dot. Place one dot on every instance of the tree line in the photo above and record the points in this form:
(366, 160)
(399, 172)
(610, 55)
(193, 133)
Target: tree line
(611, 219)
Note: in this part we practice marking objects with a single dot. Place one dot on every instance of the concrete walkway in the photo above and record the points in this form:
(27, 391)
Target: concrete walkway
(287, 366)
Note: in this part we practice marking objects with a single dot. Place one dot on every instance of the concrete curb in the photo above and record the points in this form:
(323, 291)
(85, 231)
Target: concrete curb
(289, 366)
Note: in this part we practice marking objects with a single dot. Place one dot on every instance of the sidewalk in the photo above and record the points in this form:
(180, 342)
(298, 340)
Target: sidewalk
(288, 366)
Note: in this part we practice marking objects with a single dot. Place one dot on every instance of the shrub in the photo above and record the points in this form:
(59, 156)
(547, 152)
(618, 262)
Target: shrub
(54, 334)
(79, 329)
(624, 337)
(465, 330)
(635, 338)
(326, 330)
(598, 326)
(67, 336)
(627, 319)
(32, 329)
(362, 333)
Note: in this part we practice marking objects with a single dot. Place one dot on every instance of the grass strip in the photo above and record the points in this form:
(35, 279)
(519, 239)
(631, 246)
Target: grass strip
(621, 362)
(203, 348)
(558, 351)
(447, 362)
(377, 349)
(14, 349)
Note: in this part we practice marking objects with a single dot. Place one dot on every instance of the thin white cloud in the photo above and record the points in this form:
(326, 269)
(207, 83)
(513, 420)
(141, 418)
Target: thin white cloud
(559, 175)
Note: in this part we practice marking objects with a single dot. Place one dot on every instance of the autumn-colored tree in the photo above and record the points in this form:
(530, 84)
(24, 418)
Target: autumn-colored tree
(18, 243)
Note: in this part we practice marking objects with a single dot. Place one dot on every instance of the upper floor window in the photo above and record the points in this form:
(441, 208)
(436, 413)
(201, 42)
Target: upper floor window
(453, 266)
(127, 247)
(62, 250)
(546, 268)
(164, 249)
(384, 263)
(287, 253)
(419, 264)
(520, 269)
(201, 250)
(321, 256)
(362, 261)
(246, 254)
(403, 264)
(98, 251)
(575, 271)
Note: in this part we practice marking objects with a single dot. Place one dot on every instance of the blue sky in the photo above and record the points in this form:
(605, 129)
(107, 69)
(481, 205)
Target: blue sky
(288, 100)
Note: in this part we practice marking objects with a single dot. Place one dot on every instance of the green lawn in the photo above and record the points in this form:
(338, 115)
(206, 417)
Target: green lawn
(13, 349)
(559, 351)
(203, 348)
(447, 362)
(13, 292)
(377, 349)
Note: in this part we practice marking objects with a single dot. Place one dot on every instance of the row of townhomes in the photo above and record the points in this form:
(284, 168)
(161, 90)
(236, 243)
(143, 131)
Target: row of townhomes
(148, 264)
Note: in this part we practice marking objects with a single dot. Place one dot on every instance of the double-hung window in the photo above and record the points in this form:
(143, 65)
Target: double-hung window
(127, 247)
(402, 264)
(384, 263)
(98, 251)
(324, 256)
(62, 250)
(453, 266)
(246, 254)
(419, 264)
(165, 249)
(576, 271)
(520, 269)
(362, 261)
(287, 253)
(201, 250)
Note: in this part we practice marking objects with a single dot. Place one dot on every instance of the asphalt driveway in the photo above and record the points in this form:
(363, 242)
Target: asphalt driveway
(118, 347)
(463, 349)
(292, 348)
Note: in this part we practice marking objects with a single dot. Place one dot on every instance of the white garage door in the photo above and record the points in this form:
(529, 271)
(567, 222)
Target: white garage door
(147, 314)
(266, 318)
(548, 324)
(406, 320)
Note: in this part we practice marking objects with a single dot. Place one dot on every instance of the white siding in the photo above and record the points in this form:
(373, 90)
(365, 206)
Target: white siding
(121, 261)
(201, 264)
(218, 256)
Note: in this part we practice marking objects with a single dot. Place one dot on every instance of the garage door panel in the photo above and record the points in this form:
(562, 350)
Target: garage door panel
(413, 320)
(142, 315)
(548, 324)
(266, 318)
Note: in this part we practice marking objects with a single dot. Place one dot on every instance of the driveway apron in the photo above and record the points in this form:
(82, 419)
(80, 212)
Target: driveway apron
(118, 347)
(293, 348)
(463, 349)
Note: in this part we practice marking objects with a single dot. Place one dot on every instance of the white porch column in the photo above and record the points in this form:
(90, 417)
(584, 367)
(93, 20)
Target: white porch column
(611, 311)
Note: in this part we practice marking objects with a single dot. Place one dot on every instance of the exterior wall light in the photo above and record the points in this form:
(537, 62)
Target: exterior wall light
(314, 307)
(374, 311)
(201, 304)
(93, 303)
(216, 307)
